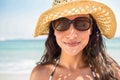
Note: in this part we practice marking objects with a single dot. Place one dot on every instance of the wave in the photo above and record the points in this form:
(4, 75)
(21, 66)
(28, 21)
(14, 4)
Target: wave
(23, 66)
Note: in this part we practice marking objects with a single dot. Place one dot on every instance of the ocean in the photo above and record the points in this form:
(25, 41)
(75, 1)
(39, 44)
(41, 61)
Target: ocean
(20, 56)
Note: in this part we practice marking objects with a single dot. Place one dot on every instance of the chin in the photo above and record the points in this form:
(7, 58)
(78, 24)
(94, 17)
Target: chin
(72, 52)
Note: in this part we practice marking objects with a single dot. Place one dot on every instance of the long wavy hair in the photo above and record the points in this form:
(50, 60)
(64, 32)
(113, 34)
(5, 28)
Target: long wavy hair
(94, 53)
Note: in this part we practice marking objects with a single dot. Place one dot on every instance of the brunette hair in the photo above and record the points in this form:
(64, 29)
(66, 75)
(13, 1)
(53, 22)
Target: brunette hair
(94, 53)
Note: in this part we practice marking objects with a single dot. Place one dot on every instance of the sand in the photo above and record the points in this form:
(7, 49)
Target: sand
(13, 76)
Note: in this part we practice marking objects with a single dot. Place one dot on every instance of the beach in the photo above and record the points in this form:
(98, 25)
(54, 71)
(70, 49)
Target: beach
(11, 76)
(19, 57)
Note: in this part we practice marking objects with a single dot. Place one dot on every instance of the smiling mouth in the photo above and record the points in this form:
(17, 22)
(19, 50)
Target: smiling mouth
(72, 44)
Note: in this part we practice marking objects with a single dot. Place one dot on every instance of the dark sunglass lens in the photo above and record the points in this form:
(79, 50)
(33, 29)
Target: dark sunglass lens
(61, 24)
(82, 25)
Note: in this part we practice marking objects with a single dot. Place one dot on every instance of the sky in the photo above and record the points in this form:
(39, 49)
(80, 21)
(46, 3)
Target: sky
(18, 18)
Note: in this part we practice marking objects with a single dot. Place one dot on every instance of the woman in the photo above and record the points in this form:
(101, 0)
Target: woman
(74, 47)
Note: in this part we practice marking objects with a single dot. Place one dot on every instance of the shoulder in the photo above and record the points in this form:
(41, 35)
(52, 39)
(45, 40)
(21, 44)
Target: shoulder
(41, 72)
(116, 69)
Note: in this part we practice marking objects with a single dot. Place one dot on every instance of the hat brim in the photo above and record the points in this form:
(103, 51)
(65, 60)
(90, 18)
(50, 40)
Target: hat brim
(103, 15)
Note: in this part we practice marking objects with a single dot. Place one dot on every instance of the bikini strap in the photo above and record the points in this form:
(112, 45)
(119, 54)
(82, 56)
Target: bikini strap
(53, 71)
(93, 72)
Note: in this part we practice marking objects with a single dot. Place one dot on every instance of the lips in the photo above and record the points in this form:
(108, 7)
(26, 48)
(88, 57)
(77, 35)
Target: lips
(72, 44)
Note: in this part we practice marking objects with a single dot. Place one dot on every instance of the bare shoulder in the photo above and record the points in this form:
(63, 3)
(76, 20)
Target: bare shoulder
(116, 69)
(41, 72)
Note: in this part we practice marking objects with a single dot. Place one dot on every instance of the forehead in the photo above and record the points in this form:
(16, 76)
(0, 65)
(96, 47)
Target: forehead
(75, 16)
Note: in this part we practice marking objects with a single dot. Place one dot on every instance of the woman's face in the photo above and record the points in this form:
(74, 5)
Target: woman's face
(72, 41)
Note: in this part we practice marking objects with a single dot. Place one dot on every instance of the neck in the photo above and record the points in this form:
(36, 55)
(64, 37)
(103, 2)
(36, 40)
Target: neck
(72, 62)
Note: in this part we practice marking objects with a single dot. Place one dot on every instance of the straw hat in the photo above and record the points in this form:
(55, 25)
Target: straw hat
(103, 15)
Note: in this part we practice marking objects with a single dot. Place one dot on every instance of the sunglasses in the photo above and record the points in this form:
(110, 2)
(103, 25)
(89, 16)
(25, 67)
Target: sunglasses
(79, 23)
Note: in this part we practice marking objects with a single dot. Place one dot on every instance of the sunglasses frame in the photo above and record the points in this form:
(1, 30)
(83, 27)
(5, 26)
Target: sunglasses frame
(68, 22)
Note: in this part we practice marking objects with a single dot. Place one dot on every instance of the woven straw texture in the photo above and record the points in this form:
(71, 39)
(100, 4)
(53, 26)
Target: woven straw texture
(103, 15)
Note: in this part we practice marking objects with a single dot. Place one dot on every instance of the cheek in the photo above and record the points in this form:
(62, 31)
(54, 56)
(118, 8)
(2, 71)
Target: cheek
(58, 36)
(85, 34)
(85, 37)
(85, 40)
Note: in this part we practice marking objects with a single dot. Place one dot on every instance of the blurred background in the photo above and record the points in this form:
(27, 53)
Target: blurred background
(19, 50)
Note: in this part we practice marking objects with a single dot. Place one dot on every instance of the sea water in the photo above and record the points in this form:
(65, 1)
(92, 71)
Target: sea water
(20, 56)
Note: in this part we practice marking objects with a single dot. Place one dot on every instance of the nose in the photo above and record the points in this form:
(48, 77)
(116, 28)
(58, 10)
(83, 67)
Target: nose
(71, 32)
